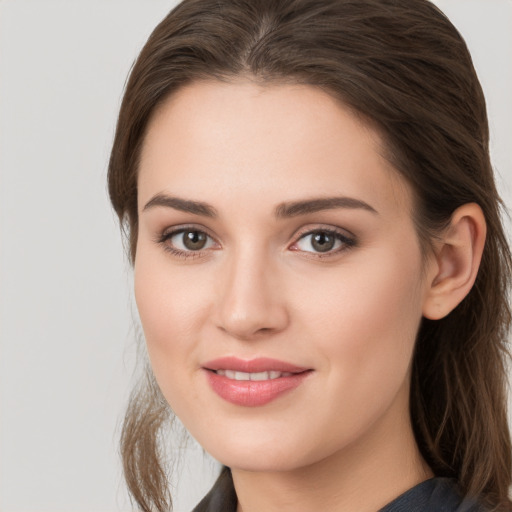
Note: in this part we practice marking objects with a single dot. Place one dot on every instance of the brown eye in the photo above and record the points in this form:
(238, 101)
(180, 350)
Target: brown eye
(185, 241)
(194, 240)
(322, 242)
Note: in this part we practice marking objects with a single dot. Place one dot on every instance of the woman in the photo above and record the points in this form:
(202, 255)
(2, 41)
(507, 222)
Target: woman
(320, 267)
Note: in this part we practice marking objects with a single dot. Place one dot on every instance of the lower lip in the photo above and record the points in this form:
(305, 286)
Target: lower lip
(253, 393)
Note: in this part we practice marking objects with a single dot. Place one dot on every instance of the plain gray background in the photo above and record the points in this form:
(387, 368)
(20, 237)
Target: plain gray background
(67, 341)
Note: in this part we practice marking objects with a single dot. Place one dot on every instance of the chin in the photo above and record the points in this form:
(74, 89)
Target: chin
(262, 456)
(258, 462)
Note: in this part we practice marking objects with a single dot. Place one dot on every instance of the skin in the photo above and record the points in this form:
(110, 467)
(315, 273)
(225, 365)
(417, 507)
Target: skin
(342, 440)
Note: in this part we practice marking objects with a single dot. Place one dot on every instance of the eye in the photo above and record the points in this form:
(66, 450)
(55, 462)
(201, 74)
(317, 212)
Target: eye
(323, 241)
(185, 241)
(190, 240)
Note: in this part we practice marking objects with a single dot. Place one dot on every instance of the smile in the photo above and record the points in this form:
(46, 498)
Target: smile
(253, 383)
(256, 376)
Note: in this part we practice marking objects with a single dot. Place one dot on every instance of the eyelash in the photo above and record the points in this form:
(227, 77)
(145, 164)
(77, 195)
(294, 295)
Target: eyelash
(166, 236)
(347, 242)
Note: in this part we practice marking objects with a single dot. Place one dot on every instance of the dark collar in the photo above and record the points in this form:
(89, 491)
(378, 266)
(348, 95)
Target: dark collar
(434, 495)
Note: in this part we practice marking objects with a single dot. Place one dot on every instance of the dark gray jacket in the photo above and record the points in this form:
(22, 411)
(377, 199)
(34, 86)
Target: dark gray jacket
(434, 495)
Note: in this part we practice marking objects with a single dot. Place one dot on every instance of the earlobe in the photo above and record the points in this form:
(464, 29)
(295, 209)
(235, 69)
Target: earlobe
(457, 259)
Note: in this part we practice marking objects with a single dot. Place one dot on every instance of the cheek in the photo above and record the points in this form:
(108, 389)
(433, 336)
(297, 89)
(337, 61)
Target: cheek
(365, 326)
(172, 305)
(169, 318)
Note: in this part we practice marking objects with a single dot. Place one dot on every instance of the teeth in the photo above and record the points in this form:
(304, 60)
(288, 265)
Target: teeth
(231, 374)
(263, 375)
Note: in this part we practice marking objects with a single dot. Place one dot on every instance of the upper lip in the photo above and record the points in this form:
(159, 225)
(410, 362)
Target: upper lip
(260, 364)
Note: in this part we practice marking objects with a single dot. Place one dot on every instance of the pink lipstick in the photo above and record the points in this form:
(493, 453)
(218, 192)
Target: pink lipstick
(255, 382)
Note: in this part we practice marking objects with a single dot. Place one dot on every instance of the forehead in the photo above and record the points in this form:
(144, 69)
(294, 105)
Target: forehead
(230, 141)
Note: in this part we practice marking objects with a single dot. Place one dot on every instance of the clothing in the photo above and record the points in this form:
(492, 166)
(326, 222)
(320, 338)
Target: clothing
(434, 495)
(222, 496)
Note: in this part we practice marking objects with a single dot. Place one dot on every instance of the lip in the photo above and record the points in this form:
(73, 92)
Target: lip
(249, 393)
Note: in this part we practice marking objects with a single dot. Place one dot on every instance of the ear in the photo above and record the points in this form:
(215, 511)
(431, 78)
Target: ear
(455, 264)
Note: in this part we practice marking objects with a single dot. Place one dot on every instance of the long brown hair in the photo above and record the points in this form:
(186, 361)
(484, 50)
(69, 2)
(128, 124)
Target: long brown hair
(404, 68)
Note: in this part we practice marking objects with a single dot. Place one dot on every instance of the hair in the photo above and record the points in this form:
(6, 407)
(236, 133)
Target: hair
(403, 67)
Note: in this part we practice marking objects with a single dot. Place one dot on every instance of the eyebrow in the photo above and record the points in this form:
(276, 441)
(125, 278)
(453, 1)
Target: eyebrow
(283, 210)
(184, 205)
(296, 208)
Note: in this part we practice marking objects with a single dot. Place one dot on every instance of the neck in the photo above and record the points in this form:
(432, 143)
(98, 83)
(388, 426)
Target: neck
(365, 476)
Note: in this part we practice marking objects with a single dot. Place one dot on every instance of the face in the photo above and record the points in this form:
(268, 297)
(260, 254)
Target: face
(278, 274)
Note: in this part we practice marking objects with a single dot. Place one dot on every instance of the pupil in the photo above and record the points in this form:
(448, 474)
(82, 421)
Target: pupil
(322, 242)
(194, 240)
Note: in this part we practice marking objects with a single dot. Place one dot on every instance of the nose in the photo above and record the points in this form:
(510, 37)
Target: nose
(251, 302)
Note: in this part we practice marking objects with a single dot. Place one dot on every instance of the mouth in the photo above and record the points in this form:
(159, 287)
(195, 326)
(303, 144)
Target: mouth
(256, 376)
(253, 366)
(253, 383)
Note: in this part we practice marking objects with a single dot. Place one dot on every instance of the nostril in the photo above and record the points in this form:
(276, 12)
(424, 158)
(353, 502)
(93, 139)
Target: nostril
(247, 305)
